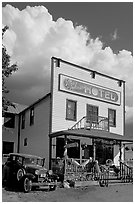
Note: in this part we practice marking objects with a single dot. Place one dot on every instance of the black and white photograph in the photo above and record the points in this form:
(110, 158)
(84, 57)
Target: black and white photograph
(67, 101)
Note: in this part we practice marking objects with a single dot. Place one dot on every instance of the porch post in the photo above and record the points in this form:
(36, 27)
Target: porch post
(120, 156)
(94, 150)
(65, 155)
(124, 151)
(50, 152)
(120, 151)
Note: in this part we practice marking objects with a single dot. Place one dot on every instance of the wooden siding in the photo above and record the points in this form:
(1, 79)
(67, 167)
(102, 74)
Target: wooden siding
(59, 121)
(38, 134)
(11, 134)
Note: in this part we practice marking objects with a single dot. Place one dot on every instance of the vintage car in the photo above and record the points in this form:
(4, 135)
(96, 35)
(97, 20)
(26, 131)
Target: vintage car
(27, 172)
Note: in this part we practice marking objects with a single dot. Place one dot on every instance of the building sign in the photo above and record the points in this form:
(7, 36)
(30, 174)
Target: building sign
(75, 144)
(94, 91)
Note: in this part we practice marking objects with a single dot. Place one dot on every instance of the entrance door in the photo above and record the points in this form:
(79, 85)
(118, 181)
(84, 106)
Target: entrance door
(104, 152)
(92, 113)
(88, 152)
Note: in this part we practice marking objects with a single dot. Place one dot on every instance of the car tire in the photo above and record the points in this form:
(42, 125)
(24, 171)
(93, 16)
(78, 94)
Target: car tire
(27, 184)
(52, 188)
(101, 183)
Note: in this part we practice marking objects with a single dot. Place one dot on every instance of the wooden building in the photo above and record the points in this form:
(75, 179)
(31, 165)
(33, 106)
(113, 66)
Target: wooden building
(84, 113)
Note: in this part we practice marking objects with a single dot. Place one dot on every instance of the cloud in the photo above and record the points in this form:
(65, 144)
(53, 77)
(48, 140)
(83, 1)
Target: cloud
(34, 37)
(114, 36)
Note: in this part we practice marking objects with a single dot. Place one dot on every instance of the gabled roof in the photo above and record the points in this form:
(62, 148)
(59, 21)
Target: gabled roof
(17, 109)
(20, 108)
(38, 101)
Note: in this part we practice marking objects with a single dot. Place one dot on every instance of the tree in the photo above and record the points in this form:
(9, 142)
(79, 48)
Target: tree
(7, 70)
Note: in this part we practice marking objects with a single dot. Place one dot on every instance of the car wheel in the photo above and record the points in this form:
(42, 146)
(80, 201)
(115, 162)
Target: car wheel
(27, 185)
(52, 188)
(102, 183)
(20, 174)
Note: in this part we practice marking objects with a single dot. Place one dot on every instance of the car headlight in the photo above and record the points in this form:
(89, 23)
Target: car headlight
(37, 172)
(50, 172)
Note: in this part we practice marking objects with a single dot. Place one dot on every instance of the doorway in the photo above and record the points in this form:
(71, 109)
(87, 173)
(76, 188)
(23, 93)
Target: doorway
(104, 151)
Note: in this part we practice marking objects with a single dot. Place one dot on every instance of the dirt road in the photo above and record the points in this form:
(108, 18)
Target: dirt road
(114, 193)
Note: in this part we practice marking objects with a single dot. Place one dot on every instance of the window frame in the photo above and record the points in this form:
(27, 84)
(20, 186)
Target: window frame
(23, 120)
(75, 111)
(25, 143)
(114, 119)
(92, 116)
(32, 116)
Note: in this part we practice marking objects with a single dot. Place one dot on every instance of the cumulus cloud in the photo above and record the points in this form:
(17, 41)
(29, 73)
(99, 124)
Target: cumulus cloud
(34, 37)
(114, 36)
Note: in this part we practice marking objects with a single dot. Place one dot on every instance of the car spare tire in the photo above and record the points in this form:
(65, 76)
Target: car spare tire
(20, 174)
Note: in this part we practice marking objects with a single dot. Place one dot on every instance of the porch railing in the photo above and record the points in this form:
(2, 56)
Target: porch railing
(105, 176)
(126, 173)
(80, 173)
(93, 122)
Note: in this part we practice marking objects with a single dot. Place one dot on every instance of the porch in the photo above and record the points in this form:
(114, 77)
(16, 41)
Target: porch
(98, 137)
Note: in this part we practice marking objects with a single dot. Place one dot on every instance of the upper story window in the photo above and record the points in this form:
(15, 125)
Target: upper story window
(112, 117)
(23, 121)
(32, 116)
(92, 113)
(9, 120)
(25, 142)
(71, 110)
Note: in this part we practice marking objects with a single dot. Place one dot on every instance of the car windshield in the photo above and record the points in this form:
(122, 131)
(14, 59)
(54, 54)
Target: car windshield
(36, 161)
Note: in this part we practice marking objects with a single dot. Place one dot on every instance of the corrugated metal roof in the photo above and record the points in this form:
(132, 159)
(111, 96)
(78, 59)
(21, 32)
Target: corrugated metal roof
(92, 134)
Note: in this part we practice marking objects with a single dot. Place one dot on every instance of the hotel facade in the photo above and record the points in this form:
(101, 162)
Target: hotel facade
(84, 114)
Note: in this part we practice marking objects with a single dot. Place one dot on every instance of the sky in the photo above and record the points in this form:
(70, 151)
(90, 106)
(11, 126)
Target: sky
(96, 35)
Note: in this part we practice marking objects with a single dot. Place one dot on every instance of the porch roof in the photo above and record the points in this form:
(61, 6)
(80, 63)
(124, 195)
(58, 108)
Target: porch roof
(97, 134)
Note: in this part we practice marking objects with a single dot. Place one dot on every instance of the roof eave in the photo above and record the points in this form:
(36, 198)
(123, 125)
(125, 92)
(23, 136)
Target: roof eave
(97, 134)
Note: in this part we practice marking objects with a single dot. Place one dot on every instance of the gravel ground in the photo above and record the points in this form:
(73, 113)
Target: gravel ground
(113, 193)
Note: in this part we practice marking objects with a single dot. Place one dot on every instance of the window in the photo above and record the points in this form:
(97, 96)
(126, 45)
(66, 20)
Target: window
(9, 120)
(71, 110)
(25, 142)
(88, 151)
(23, 121)
(92, 113)
(8, 147)
(32, 116)
(73, 152)
(112, 117)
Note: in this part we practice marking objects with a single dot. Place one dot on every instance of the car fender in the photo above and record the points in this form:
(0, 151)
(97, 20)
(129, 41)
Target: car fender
(28, 175)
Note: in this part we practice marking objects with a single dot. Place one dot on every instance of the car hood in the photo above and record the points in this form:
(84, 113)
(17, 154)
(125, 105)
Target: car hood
(35, 167)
